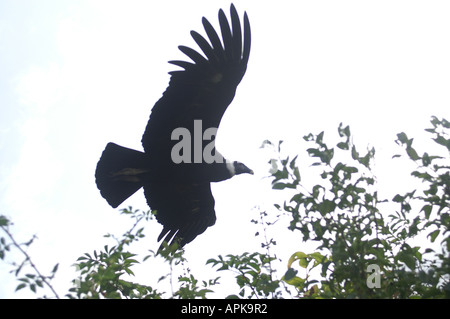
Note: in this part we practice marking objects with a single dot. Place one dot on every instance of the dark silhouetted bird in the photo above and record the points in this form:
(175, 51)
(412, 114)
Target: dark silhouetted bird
(180, 161)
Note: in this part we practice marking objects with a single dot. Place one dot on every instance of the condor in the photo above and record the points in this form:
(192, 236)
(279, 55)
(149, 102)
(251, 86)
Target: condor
(180, 192)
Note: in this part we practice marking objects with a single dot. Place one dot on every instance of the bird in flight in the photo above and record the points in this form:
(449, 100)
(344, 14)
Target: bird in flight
(176, 175)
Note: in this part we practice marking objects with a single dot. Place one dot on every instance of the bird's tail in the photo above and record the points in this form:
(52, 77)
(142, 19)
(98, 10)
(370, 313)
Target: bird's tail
(119, 173)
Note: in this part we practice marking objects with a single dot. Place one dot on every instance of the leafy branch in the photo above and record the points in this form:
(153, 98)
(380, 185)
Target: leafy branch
(31, 280)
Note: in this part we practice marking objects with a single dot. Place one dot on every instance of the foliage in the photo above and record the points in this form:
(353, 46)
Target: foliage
(343, 215)
(101, 272)
(365, 246)
(33, 280)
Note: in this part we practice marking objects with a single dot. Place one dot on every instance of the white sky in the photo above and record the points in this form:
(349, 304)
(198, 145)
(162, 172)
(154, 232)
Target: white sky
(75, 75)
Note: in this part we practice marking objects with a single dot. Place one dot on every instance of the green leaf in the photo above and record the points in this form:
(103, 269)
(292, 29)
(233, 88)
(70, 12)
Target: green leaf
(355, 154)
(403, 138)
(433, 235)
(296, 281)
(412, 153)
(290, 274)
(319, 137)
(297, 174)
(308, 137)
(318, 257)
(4, 221)
(398, 199)
(327, 206)
(427, 209)
(407, 257)
(426, 160)
(283, 186)
(344, 131)
(55, 268)
(443, 141)
(292, 162)
(129, 271)
(343, 146)
(425, 176)
(21, 286)
(296, 256)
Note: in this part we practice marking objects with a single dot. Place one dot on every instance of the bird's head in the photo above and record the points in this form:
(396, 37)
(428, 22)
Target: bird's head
(236, 168)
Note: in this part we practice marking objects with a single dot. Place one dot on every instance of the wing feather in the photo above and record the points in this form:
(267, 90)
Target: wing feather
(237, 36)
(214, 38)
(247, 40)
(184, 210)
(185, 65)
(194, 55)
(206, 48)
(226, 35)
(203, 89)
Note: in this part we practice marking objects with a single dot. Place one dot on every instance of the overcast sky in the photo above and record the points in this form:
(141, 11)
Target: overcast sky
(75, 75)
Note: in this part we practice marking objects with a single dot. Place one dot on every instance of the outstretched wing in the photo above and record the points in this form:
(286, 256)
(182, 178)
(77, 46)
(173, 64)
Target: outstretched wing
(204, 88)
(184, 210)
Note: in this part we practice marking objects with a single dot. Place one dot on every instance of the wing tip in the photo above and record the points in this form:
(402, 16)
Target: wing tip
(220, 49)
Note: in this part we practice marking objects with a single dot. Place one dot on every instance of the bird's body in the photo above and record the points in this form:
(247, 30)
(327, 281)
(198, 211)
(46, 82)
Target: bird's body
(180, 160)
